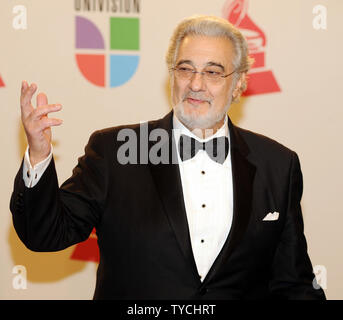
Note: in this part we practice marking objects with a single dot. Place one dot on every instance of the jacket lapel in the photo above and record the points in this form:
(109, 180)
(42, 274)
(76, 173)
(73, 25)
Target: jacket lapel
(243, 173)
(168, 184)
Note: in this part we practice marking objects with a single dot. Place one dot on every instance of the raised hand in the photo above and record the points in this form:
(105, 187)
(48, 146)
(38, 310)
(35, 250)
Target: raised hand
(36, 123)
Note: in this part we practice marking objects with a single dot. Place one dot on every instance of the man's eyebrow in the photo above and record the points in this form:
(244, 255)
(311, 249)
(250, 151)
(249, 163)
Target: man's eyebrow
(186, 62)
(208, 64)
(215, 64)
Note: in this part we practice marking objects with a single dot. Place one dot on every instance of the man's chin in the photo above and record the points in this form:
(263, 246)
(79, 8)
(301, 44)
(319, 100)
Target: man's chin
(193, 118)
(196, 110)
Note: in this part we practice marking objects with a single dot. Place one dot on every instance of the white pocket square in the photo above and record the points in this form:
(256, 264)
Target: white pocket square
(271, 216)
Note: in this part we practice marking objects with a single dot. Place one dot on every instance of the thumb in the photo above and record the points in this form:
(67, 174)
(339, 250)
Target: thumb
(42, 99)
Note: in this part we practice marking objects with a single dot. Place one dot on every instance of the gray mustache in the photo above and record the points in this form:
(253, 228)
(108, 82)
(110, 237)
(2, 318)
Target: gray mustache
(197, 96)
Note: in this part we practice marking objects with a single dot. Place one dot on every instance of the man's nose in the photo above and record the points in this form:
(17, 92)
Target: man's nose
(197, 82)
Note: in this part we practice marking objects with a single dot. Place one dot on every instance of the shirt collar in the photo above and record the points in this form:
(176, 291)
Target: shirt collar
(179, 128)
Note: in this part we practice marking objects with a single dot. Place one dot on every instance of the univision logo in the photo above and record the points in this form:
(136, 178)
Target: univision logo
(109, 62)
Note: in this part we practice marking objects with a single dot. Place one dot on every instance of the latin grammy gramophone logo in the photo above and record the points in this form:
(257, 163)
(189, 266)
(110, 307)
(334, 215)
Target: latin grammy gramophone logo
(2, 83)
(87, 250)
(261, 79)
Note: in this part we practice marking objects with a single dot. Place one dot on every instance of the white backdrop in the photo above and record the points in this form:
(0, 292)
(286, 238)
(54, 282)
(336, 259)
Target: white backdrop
(306, 116)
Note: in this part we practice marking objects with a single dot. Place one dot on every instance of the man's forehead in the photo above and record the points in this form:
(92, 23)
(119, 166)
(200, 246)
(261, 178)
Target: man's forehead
(209, 51)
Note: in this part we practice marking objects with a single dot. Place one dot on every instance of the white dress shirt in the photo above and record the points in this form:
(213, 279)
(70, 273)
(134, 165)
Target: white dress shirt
(208, 196)
(207, 192)
(31, 175)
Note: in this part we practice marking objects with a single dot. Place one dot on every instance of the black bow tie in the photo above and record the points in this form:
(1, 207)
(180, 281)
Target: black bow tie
(217, 148)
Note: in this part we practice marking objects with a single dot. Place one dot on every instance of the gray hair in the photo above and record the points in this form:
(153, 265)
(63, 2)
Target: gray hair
(212, 26)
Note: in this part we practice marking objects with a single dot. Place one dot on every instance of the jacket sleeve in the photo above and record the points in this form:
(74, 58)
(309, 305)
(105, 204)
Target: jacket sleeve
(292, 272)
(49, 218)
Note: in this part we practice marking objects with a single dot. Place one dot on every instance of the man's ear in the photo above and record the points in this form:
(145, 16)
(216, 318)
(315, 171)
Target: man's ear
(239, 86)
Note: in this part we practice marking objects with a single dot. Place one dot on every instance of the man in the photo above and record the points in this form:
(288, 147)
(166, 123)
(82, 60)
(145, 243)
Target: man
(221, 219)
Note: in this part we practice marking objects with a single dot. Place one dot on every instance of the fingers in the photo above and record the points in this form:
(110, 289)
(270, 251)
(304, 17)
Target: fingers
(37, 124)
(24, 86)
(25, 98)
(39, 112)
(42, 99)
(35, 129)
(36, 119)
(43, 109)
(49, 122)
(27, 92)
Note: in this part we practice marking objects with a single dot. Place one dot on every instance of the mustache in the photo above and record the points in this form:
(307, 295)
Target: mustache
(196, 96)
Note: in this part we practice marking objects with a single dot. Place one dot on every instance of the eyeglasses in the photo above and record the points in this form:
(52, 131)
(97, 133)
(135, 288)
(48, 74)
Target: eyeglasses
(210, 76)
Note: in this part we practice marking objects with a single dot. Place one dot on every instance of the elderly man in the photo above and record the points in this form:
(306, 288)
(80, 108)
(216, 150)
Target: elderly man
(221, 219)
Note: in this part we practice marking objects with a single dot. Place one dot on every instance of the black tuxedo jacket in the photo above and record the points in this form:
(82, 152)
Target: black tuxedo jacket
(139, 215)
